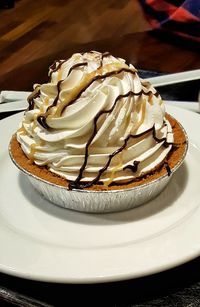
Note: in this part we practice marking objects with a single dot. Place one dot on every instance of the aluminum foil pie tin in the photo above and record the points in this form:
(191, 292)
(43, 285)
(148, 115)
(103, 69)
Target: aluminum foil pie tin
(101, 201)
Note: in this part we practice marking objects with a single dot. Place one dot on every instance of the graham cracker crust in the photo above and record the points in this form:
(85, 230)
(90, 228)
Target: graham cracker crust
(175, 155)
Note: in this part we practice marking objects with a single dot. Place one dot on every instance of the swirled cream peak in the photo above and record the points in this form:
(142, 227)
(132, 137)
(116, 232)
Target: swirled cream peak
(95, 121)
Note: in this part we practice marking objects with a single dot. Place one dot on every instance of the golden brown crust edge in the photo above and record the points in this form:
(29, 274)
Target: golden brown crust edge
(42, 172)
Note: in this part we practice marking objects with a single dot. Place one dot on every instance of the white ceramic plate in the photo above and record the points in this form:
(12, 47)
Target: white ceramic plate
(44, 242)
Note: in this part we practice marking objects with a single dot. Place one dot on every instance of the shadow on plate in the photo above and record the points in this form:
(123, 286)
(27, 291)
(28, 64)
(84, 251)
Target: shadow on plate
(164, 200)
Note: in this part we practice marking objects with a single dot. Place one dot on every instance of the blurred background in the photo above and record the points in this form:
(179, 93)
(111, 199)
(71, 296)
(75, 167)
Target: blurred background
(34, 29)
(35, 33)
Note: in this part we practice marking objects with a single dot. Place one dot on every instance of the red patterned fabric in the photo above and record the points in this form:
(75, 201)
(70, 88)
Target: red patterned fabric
(179, 17)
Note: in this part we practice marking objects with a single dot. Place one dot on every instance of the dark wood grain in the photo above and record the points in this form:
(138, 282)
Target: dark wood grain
(33, 34)
(33, 30)
(144, 50)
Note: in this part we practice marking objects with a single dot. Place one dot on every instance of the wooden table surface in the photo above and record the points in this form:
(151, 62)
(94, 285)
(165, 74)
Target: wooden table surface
(35, 33)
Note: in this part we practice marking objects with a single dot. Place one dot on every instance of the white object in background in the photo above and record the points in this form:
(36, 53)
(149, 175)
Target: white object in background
(10, 96)
(11, 106)
(189, 105)
(175, 78)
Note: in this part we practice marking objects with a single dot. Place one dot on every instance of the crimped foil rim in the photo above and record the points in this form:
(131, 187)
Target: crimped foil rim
(178, 164)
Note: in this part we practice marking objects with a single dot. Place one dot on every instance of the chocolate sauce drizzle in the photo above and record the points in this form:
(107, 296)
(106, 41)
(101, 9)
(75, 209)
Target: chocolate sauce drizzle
(156, 138)
(30, 99)
(164, 139)
(102, 77)
(42, 118)
(56, 66)
(77, 184)
(133, 167)
(75, 66)
(61, 81)
(36, 93)
(103, 55)
(143, 176)
(98, 77)
(57, 96)
(168, 169)
(42, 121)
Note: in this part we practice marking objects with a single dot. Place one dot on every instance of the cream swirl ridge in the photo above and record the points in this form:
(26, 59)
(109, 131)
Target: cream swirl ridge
(95, 121)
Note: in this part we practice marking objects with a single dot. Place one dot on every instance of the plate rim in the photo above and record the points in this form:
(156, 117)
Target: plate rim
(117, 277)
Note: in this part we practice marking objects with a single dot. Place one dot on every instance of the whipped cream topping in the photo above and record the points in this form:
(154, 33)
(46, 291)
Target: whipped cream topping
(95, 121)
